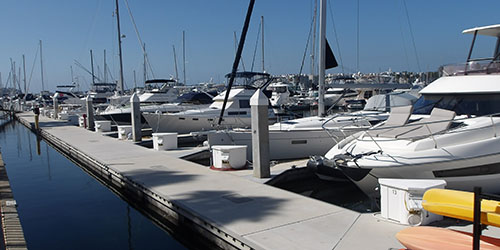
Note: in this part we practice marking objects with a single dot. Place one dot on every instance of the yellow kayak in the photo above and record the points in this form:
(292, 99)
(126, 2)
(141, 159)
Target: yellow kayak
(460, 205)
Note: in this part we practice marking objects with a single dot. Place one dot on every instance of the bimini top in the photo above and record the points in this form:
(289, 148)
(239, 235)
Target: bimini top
(490, 30)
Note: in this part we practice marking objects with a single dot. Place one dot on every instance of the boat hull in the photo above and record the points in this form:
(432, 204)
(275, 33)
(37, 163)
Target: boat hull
(282, 144)
(459, 174)
(184, 124)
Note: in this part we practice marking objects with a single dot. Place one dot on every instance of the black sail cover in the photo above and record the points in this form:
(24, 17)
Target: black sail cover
(330, 61)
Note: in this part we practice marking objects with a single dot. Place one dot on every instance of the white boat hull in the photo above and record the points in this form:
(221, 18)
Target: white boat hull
(463, 166)
(184, 124)
(282, 144)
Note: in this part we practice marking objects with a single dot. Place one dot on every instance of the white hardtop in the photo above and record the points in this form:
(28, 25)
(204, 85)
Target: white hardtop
(469, 84)
(233, 93)
(412, 184)
(490, 30)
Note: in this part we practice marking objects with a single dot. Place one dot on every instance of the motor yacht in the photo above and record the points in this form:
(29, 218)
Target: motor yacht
(236, 113)
(451, 133)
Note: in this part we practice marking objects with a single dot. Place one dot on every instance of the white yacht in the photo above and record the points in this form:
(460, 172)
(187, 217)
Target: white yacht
(158, 91)
(160, 95)
(101, 91)
(236, 113)
(339, 96)
(300, 138)
(280, 94)
(452, 134)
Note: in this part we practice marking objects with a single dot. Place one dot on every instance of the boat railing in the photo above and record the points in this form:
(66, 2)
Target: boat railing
(473, 67)
(359, 120)
(450, 130)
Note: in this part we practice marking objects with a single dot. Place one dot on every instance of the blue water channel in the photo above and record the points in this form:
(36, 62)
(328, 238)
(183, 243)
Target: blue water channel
(61, 207)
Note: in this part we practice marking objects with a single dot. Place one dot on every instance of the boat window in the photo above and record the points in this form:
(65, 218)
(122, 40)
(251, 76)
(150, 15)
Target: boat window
(469, 171)
(462, 104)
(244, 104)
(237, 113)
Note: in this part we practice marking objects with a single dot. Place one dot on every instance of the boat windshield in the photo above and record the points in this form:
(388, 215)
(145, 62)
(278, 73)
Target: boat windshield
(465, 104)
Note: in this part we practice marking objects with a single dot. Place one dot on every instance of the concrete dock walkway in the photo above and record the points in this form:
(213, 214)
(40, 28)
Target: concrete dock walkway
(235, 212)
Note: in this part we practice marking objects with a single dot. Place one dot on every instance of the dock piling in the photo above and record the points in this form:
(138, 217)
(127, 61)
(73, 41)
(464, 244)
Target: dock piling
(90, 113)
(260, 135)
(56, 106)
(136, 118)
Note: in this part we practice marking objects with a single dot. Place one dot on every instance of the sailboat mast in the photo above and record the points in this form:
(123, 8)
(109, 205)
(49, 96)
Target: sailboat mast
(313, 47)
(24, 71)
(13, 69)
(105, 68)
(41, 65)
(92, 68)
(262, 25)
(145, 69)
(135, 82)
(175, 64)
(322, 58)
(72, 78)
(19, 79)
(120, 84)
(184, 55)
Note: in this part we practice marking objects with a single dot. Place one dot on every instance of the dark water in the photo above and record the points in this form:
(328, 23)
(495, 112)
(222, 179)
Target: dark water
(61, 207)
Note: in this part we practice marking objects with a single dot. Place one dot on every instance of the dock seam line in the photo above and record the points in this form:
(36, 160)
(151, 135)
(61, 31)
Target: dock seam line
(295, 222)
(347, 231)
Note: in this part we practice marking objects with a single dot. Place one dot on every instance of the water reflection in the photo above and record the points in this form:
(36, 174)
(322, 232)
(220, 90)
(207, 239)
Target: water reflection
(61, 207)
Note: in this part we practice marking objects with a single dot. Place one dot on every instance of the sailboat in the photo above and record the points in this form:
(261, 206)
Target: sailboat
(299, 138)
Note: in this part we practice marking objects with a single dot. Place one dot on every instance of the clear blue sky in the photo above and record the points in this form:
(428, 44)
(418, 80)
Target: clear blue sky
(69, 29)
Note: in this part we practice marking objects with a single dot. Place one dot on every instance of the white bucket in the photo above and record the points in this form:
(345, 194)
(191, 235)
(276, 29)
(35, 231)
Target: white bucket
(164, 141)
(124, 131)
(102, 126)
(229, 156)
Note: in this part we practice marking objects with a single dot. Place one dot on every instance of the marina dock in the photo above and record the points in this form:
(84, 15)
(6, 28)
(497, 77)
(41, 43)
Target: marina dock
(229, 210)
(12, 231)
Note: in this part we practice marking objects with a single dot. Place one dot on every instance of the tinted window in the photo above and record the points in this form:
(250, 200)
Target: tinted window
(461, 104)
(244, 104)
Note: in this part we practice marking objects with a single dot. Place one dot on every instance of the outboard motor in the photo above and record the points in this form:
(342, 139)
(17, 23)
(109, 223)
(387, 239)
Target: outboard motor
(325, 169)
